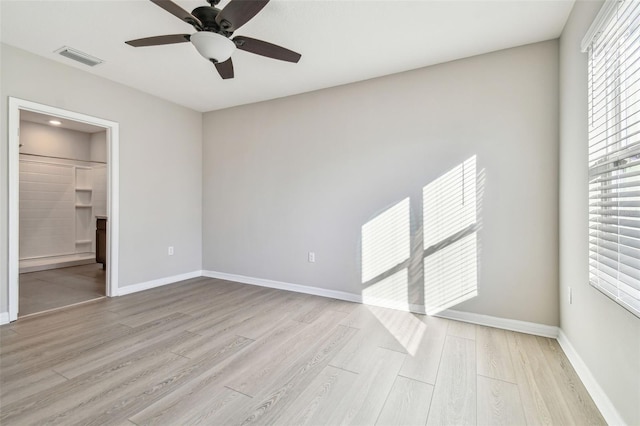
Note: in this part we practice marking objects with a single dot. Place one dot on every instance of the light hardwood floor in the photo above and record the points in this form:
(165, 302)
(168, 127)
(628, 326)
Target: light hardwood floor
(214, 352)
(55, 288)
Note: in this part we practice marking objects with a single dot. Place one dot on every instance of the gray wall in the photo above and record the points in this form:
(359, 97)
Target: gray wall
(160, 167)
(50, 224)
(305, 173)
(98, 150)
(606, 336)
(54, 141)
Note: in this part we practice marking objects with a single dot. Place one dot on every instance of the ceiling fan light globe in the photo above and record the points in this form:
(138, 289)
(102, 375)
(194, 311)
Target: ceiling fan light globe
(213, 46)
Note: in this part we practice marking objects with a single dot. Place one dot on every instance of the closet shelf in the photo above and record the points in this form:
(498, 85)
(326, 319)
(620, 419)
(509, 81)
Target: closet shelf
(83, 206)
(84, 189)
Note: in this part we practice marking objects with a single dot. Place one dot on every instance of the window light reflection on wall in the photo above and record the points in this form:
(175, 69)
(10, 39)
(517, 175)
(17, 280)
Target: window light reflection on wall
(449, 220)
(386, 243)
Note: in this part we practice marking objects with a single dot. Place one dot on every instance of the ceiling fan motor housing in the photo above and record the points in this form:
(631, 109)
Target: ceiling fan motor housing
(207, 15)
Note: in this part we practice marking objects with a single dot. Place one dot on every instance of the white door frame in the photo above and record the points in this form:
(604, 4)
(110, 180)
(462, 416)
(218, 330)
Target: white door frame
(15, 105)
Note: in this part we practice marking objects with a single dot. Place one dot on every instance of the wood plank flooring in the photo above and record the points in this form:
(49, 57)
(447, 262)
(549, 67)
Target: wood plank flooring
(55, 288)
(214, 352)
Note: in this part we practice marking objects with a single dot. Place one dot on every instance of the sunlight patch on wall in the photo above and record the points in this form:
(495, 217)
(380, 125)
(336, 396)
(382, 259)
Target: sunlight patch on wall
(386, 241)
(449, 221)
(390, 292)
(450, 275)
(449, 203)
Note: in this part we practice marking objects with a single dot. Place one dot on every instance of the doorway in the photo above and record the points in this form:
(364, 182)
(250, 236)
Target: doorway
(63, 194)
(65, 206)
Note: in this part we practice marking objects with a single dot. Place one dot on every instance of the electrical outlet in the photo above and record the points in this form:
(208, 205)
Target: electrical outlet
(170, 251)
(312, 257)
(570, 296)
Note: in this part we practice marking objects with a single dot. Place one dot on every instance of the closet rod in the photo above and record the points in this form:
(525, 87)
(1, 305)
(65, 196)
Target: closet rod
(64, 158)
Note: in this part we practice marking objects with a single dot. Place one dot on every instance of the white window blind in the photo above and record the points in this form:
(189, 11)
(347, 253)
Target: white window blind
(614, 155)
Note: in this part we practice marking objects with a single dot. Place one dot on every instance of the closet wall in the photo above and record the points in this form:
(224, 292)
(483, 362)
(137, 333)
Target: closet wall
(62, 189)
(98, 154)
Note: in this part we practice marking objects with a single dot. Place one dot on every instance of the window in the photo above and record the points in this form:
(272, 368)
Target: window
(613, 45)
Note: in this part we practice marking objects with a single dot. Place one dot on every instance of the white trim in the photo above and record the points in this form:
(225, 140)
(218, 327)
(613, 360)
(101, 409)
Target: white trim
(504, 323)
(608, 8)
(4, 318)
(391, 304)
(316, 291)
(47, 311)
(598, 395)
(417, 309)
(15, 105)
(90, 258)
(386, 303)
(13, 161)
(507, 324)
(134, 288)
(113, 207)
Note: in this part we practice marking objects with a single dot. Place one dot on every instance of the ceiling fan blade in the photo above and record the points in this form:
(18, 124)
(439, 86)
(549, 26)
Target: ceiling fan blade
(263, 48)
(159, 40)
(176, 10)
(225, 69)
(239, 12)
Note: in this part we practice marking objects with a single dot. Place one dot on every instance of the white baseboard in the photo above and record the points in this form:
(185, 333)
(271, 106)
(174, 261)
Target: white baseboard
(55, 264)
(504, 323)
(507, 324)
(391, 304)
(316, 291)
(602, 401)
(134, 288)
(598, 395)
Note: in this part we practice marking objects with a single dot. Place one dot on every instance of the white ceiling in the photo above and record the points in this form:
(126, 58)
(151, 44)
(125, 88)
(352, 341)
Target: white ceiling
(35, 117)
(340, 41)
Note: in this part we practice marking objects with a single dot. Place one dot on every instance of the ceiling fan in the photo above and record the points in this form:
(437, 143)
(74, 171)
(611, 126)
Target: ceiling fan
(214, 29)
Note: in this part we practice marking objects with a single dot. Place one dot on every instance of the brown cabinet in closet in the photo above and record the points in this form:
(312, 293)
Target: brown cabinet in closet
(101, 241)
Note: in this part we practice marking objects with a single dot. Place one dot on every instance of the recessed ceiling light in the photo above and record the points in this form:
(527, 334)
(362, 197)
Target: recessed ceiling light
(55, 122)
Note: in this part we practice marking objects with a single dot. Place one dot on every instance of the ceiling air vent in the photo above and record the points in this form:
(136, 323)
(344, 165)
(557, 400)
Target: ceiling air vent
(79, 56)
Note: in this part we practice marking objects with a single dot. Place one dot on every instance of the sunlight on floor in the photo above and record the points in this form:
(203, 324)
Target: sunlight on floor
(405, 327)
